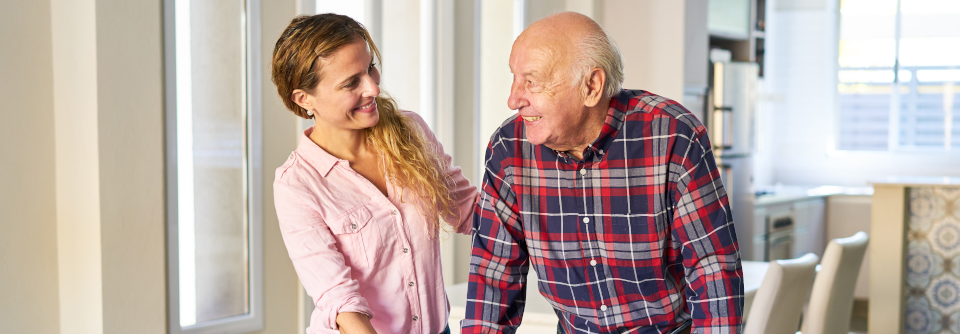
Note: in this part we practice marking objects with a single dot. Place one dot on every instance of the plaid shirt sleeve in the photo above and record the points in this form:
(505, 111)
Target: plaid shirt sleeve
(704, 239)
(499, 260)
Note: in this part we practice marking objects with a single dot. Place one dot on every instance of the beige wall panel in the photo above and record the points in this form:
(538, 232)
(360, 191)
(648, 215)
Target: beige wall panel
(280, 286)
(466, 148)
(130, 124)
(28, 249)
(650, 34)
(74, 35)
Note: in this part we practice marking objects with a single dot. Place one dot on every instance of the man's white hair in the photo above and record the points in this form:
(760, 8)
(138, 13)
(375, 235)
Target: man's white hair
(598, 50)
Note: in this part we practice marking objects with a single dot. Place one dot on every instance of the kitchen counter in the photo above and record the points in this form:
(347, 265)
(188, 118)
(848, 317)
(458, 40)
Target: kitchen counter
(915, 218)
(782, 193)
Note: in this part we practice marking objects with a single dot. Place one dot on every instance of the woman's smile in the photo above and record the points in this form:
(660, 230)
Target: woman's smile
(367, 108)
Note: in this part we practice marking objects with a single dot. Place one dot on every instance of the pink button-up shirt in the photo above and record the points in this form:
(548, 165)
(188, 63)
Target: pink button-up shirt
(357, 250)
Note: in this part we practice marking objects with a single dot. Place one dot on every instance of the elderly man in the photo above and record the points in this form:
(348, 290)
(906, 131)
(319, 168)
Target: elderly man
(612, 195)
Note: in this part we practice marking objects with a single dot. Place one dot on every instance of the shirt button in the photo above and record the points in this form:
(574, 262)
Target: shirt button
(394, 212)
(603, 308)
(593, 262)
(583, 171)
(410, 284)
(406, 250)
(415, 318)
(586, 220)
(353, 226)
(601, 152)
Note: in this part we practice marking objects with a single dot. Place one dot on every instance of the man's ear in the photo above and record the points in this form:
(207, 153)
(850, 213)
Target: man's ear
(299, 97)
(594, 87)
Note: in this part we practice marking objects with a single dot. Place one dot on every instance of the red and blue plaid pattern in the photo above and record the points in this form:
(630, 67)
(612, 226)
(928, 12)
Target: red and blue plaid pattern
(638, 237)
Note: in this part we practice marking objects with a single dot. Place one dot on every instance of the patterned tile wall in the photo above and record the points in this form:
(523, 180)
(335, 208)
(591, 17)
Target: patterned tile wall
(933, 261)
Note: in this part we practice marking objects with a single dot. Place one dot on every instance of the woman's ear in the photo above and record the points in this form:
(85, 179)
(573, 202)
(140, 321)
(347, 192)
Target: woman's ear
(301, 98)
(594, 87)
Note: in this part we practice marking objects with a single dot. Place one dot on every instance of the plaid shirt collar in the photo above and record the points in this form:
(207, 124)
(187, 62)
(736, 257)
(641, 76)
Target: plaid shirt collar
(611, 126)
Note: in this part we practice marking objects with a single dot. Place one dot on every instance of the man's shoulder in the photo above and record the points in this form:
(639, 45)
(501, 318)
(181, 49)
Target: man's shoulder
(643, 105)
(508, 134)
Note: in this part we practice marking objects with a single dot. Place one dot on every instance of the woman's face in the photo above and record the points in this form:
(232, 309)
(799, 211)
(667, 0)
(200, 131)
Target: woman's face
(344, 97)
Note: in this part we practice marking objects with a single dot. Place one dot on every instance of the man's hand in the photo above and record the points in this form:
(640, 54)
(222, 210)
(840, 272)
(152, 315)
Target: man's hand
(354, 323)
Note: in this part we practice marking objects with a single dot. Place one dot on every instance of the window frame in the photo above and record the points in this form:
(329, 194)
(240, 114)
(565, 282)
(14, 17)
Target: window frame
(894, 147)
(254, 319)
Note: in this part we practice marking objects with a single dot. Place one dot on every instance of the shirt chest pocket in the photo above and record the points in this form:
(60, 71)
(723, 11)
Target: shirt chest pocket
(356, 236)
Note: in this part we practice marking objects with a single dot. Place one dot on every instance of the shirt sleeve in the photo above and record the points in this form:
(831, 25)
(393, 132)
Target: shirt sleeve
(463, 193)
(499, 261)
(318, 262)
(704, 239)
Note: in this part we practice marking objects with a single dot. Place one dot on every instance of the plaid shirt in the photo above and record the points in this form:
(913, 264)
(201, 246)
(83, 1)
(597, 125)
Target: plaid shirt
(638, 237)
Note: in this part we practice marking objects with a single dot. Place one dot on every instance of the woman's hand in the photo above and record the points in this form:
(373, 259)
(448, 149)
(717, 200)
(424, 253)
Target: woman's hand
(354, 323)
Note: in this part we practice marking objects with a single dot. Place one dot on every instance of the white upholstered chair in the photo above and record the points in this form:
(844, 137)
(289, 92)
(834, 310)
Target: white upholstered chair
(779, 301)
(831, 300)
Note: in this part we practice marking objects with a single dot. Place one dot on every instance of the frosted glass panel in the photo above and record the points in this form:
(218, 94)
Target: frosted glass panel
(211, 137)
(729, 17)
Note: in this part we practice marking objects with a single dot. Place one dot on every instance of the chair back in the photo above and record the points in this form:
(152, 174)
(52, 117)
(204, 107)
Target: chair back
(831, 300)
(779, 302)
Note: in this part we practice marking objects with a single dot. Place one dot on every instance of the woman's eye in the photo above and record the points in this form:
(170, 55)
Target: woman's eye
(372, 67)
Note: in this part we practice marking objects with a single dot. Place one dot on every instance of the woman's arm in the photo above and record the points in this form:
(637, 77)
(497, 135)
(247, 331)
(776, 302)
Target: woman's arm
(351, 323)
(319, 263)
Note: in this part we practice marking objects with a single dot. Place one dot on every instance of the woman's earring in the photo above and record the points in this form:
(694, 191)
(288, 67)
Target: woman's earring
(309, 112)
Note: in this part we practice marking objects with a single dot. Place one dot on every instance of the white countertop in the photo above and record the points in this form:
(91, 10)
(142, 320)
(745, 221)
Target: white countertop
(917, 181)
(788, 193)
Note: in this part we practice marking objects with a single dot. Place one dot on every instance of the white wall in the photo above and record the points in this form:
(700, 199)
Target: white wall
(650, 34)
(800, 97)
(28, 243)
(400, 49)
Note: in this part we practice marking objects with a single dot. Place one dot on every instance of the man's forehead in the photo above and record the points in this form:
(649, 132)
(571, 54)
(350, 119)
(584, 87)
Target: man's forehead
(530, 57)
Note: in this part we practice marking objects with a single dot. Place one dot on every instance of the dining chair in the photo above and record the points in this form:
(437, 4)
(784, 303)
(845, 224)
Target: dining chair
(779, 301)
(831, 300)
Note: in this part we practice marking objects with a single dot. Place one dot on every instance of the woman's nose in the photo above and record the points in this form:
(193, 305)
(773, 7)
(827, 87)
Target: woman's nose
(371, 88)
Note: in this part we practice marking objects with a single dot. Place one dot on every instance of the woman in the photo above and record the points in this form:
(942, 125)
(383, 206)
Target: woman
(359, 200)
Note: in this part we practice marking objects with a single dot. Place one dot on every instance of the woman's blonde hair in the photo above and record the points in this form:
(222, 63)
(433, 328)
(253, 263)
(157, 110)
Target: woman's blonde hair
(409, 160)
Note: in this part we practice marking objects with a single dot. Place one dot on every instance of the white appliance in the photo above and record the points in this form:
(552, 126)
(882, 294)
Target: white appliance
(731, 130)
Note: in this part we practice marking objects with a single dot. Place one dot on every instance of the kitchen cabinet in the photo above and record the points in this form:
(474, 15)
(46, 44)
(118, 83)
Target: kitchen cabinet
(788, 227)
(738, 26)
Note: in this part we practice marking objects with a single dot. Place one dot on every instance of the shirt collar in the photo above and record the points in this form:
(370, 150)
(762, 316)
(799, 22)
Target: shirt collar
(316, 156)
(611, 126)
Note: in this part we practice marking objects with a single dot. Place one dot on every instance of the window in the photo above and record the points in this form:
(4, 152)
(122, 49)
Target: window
(899, 67)
(213, 166)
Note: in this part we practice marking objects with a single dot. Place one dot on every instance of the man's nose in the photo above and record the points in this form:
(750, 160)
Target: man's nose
(515, 101)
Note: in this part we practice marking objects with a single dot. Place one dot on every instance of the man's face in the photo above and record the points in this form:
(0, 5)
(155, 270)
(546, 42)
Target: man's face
(544, 94)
